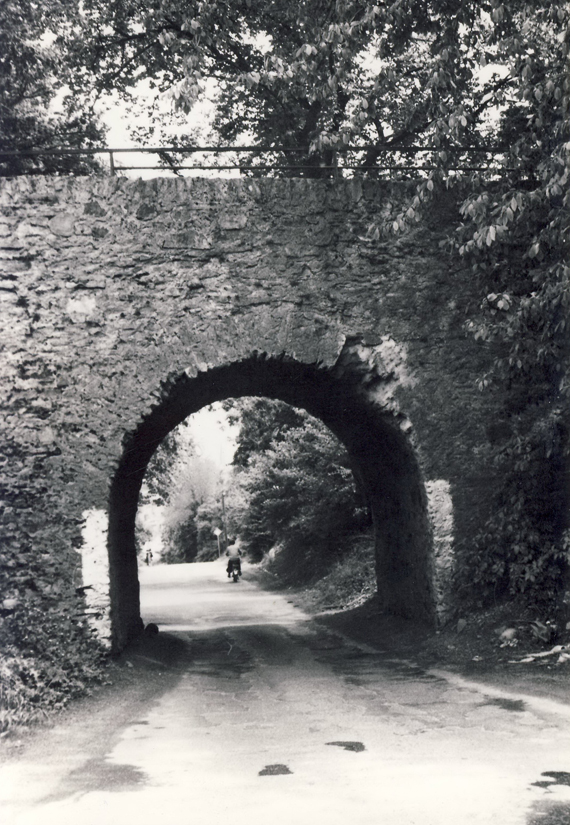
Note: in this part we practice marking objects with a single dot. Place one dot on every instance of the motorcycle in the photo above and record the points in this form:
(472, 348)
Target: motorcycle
(234, 569)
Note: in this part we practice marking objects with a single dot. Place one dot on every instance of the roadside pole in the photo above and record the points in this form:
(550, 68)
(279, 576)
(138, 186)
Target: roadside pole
(217, 532)
(224, 521)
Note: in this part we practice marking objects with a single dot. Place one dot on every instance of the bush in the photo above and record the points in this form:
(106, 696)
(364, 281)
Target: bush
(340, 582)
(301, 495)
(50, 655)
(351, 580)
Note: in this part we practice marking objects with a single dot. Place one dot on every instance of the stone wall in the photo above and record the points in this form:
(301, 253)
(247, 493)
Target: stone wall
(112, 291)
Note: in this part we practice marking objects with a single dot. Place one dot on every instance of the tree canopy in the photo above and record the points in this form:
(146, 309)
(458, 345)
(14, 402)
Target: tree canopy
(320, 75)
(262, 423)
(299, 493)
(37, 110)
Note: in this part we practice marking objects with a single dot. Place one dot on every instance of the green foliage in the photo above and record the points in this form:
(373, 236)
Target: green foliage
(169, 485)
(210, 516)
(350, 581)
(180, 535)
(159, 475)
(312, 76)
(514, 236)
(262, 422)
(299, 494)
(187, 488)
(49, 655)
(36, 109)
(524, 546)
(319, 77)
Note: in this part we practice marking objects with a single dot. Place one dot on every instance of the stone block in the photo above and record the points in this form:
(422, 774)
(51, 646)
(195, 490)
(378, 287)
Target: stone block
(63, 224)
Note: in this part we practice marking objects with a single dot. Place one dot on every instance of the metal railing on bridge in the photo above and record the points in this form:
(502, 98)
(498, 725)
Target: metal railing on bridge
(384, 160)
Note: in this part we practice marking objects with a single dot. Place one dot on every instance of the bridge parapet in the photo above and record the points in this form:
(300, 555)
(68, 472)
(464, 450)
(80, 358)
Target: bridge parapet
(113, 289)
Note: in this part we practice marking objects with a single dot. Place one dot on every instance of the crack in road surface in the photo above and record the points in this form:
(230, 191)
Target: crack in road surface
(243, 710)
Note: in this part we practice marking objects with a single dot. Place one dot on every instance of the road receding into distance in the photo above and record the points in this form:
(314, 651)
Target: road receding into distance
(253, 713)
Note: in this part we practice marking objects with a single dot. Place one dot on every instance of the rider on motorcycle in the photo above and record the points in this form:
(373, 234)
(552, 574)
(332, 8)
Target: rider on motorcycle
(234, 558)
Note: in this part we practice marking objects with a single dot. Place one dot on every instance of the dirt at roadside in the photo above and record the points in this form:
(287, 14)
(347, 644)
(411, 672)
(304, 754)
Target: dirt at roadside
(135, 679)
(473, 648)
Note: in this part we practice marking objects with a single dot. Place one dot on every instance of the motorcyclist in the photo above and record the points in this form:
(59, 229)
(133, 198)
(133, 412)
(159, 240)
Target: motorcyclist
(234, 558)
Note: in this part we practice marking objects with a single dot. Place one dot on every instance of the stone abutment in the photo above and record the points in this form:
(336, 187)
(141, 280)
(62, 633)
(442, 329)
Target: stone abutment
(129, 305)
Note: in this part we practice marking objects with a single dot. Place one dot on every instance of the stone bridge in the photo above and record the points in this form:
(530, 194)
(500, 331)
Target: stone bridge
(129, 305)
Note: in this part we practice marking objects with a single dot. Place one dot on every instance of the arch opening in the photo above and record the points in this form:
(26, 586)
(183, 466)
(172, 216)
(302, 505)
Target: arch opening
(382, 456)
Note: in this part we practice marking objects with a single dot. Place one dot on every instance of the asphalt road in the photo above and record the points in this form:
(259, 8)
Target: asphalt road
(244, 710)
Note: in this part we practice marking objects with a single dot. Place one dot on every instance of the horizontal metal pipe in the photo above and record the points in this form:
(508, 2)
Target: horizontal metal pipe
(261, 149)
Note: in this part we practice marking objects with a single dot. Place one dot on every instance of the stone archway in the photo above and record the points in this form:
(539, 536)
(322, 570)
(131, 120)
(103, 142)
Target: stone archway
(353, 399)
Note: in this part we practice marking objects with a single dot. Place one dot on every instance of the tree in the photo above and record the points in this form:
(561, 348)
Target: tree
(36, 109)
(513, 234)
(210, 516)
(312, 76)
(320, 75)
(183, 484)
(158, 481)
(262, 422)
(180, 533)
(168, 485)
(299, 489)
(192, 483)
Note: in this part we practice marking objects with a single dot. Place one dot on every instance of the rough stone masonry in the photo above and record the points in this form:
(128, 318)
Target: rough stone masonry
(128, 305)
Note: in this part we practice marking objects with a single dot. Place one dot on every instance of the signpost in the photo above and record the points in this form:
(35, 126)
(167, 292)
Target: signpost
(224, 521)
(217, 532)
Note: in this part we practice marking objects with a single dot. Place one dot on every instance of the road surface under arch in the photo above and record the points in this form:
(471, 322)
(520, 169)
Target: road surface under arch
(244, 710)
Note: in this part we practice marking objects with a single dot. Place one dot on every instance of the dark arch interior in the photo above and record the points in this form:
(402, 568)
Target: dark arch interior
(381, 454)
